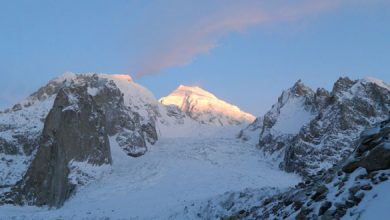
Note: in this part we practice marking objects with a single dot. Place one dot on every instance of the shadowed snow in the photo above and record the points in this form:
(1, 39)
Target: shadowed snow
(174, 172)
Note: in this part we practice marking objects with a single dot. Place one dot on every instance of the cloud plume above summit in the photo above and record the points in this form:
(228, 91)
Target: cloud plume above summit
(194, 30)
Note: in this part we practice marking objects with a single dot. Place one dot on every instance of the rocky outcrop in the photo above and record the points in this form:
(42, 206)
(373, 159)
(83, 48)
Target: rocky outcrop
(132, 131)
(337, 192)
(87, 110)
(74, 130)
(374, 151)
(308, 131)
(21, 128)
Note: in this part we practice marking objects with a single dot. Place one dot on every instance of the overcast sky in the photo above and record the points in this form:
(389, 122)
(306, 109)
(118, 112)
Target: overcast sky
(245, 52)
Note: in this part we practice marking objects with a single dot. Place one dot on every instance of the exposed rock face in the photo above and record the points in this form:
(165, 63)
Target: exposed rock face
(133, 132)
(309, 131)
(374, 151)
(337, 192)
(20, 130)
(205, 108)
(74, 130)
(86, 111)
(30, 113)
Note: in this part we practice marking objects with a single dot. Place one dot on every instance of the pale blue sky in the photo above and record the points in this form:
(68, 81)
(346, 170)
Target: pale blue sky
(245, 52)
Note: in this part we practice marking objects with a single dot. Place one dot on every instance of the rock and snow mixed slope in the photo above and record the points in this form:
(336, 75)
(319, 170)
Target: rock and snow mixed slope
(21, 126)
(19, 136)
(354, 189)
(76, 135)
(86, 111)
(48, 138)
(307, 131)
(204, 107)
(176, 172)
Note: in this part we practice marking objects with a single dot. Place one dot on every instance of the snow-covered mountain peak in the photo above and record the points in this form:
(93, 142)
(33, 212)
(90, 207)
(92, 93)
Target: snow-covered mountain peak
(376, 81)
(122, 77)
(134, 94)
(193, 90)
(300, 89)
(299, 128)
(68, 76)
(205, 107)
(293, 110)
(342, 85)
(345, 88)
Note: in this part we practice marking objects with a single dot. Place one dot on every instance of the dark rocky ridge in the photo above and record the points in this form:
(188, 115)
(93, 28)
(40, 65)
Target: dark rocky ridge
(349, 108)
(74, 130)
(338, 117)
(346, 183)
(132, 132)
(87, 110)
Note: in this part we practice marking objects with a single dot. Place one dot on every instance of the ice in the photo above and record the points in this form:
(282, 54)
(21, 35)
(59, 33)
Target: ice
(173, 173)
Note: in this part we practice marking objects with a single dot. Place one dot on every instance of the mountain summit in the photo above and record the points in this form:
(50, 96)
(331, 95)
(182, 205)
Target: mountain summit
(205, 107)
(308, 131)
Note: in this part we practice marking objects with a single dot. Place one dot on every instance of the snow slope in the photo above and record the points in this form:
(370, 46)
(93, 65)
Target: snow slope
(292, 116)
(135, 95)
(18, 128)
(285, 118)
(174, 173)
(376, 206)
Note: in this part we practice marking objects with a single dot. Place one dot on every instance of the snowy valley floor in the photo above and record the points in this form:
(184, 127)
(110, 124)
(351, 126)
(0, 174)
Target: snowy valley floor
(173, 174)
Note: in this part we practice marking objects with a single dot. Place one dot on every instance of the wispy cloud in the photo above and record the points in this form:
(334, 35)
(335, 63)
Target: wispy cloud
(200, 36)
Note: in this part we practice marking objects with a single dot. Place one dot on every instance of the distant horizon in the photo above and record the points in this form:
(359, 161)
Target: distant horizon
(200, 86)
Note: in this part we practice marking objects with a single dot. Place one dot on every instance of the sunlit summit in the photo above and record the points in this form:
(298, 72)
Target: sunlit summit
(199, 110)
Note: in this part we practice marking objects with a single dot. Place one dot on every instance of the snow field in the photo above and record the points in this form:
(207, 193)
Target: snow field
(158, 185)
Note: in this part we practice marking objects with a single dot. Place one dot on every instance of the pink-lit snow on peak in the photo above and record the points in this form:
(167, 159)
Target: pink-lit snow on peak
(195, 100)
